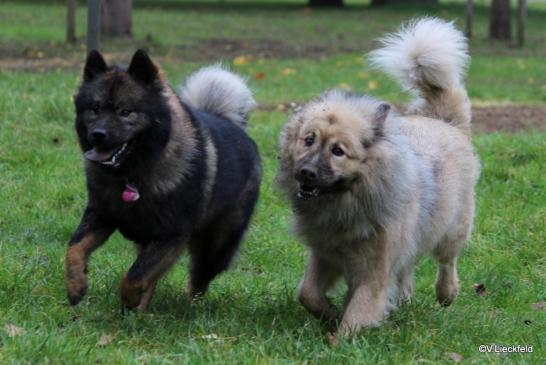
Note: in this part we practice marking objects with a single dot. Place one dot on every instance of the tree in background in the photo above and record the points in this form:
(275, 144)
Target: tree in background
(116, 17)
(325, 3)
(387, 2)
(71, 21)
(499, 20)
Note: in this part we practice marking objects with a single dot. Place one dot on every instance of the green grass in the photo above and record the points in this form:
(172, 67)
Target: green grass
(250, 314)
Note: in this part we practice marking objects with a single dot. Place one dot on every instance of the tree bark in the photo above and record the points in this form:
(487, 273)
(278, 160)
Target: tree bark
(388, 2)
(499, 21)
(117, 17)
(93, 25)
(325, 3)
(522, 19)
(71, 21)
(469, 18)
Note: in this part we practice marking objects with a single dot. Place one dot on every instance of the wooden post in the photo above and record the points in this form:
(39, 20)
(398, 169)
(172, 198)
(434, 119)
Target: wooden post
(93, 25)
(522, 19)
(499, 26)
(71, 21)
(469, 18)
(116, 18)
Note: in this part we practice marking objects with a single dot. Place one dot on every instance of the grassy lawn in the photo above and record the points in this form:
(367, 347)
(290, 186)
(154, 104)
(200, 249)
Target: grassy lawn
(250, 314)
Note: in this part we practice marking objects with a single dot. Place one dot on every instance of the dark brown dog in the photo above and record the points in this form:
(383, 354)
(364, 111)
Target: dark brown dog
(168, 173)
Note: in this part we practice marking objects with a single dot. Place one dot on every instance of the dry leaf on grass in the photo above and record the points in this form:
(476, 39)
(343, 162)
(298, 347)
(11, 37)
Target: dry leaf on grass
(537, 306)
(240, 60)
(212, 336)
(372, 85)
(105, 339)
(456, 357)
(480, 290)
(13, 330)
(288, 71)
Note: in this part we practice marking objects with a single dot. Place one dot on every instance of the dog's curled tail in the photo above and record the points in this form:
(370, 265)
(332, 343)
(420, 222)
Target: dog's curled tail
(219, 91)
(429, 56)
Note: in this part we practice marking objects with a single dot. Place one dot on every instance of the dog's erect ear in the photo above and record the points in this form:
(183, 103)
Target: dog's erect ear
(94, 66)
(381, 113)
(142, 68)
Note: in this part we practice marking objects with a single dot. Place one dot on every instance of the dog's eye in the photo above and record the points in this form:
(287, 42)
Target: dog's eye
(336, 150)
(309, 140)
(124, 112)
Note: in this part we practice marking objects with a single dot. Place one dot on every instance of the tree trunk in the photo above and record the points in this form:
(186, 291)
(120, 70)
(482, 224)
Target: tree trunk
(388, 2)
(116, 16)
(325, 3)
(93, 22)
(522, 19)
(499, 22)
(469, 18)
(71, 21)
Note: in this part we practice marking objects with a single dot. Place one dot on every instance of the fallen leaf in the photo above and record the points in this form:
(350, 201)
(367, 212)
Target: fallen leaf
(363, 75)
(332, 339)
(456, 357)
(538, 305)
(13, 330)
(372, 84)
(480, 290)
(530, 81)
(344, 86)
(240, 60)
(105, 339)
(212, 336)
(288, 71)
(260, 75)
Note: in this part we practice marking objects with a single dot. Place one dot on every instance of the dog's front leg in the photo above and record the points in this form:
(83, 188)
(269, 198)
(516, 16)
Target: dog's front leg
(154, 259)
(318, 278)
(367, 278)
(88, 237)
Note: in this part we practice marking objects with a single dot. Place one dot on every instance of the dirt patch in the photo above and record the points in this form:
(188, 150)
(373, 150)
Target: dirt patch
(509, 118)
(55, 56)
(215, 48)
(486, 119)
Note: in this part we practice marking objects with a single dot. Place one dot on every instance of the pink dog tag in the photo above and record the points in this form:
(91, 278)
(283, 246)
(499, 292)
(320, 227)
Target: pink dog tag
(130, 194)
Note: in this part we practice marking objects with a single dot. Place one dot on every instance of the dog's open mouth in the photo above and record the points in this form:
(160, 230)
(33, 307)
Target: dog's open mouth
(112, 157)
(307, 192)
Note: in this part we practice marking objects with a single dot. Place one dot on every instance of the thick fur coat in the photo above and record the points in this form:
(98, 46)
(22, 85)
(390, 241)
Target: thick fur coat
(170, 173)
(372, 189)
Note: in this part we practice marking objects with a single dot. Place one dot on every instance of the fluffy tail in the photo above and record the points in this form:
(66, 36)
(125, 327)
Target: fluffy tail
(429, 56)
(219, 91)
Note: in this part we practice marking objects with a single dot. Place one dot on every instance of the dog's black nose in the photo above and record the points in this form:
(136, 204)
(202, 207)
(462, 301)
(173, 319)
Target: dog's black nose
(99, 135)
(308, 173)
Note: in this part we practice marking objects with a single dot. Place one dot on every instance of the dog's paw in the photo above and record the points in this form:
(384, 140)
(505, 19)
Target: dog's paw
(76, 285)
(446, 292)
(131, 294)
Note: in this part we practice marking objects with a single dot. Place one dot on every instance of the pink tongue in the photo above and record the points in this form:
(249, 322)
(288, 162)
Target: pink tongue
(130, 194)
(95, 155)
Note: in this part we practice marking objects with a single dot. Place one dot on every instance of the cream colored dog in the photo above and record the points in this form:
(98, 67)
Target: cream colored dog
(372, 189)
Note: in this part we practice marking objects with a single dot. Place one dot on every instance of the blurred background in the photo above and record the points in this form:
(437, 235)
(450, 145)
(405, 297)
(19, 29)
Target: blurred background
(290, 51)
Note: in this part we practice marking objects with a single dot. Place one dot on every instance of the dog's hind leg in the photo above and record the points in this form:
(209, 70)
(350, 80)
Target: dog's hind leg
(154, 259)
(406, 283)
(210, 255)
(446, 253)
(89, 236)
(447, 281)
(319, 277)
